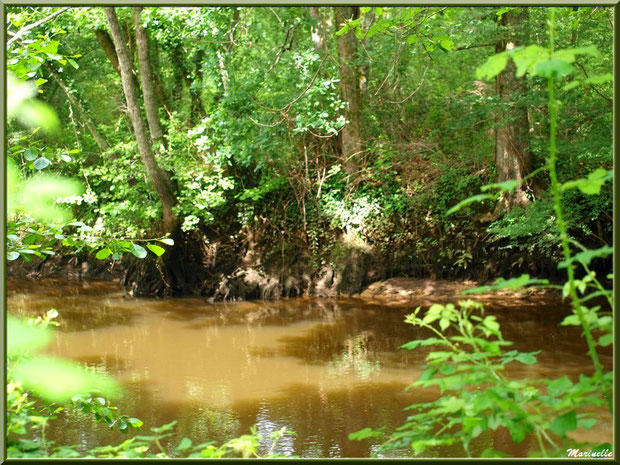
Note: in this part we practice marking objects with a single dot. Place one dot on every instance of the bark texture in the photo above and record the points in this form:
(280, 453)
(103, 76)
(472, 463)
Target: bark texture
(318, 32)
(147, 80)
(351, 141)
(512, 158)
(108, 47)
(157, 176)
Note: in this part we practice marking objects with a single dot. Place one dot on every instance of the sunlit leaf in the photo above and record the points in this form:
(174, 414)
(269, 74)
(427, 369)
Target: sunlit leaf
(494, 65)
(185, 443)
(606, 340)
(364, 434)
(553, 68)
(513, 283)
(592, 184)
(31, 154)
(167, 241)
(159, 251)
(36, 113)
(103, 254)
(138, 251)
(60, 380)
(468, 201)
(505, 186)
(38, 195)
(587, 256)
(22, 338)
(41, 163)
(599, 79)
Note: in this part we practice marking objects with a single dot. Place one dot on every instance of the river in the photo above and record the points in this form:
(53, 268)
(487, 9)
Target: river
(321, 367)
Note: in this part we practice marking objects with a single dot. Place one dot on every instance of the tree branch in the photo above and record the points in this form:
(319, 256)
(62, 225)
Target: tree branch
(25, 29)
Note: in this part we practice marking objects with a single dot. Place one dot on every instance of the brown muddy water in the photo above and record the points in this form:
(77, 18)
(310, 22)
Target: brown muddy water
(322, 368)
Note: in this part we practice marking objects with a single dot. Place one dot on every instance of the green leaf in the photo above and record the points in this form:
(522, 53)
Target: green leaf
(447, 369)
(22, 338)
(554, 68)
(412, 39)
(185, 443)
(34, 113)
(103, 254)
(606, 340)
(41, 163)
(468, 201)
(526, 58)
(564, 423)
(571, 85)
(571, 320)
(500, 283)
(31, 154)
(138, 251)
(587, 256)
(505, 186)
(424, 343)
(12, 256)
(527, 359)
(364, 434)
(167, 241)
(427, 374)
(164, 428)
(599, 79)
(157, 250)
(73, 63)
(444, 324)
(518, 430)
(60, 380)
(489, 452)
(135, 422)
(592, 184)
(494, 65)
(559, 386)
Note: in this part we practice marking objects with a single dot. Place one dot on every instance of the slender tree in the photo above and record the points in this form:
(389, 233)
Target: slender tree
(511, 154)
(147, 81)
(160, 181)
(351, 139)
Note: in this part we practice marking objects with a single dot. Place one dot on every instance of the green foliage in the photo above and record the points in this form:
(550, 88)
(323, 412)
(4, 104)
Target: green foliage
(476, 394)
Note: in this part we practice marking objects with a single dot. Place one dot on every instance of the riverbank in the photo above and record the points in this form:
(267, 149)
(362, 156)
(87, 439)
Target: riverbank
(403, 291)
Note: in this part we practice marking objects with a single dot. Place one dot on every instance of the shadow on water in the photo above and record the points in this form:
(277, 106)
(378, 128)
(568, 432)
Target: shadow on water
(321, 367)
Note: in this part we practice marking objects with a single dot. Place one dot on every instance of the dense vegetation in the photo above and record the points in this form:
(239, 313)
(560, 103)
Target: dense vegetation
(267, 152)
(321, 157)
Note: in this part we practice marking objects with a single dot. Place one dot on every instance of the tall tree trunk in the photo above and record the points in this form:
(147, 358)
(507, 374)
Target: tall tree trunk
(101, 142)
(318, 32)
(512, 158)
(108, 47)
(162, 185)
(223, 58)
(147, 81)
(351, 141)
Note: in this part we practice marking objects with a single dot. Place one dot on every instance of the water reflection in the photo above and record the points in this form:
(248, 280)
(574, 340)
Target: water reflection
(323, 368)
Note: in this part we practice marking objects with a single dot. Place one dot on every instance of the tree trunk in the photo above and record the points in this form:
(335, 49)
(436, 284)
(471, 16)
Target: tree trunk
(512, 158)
(108, 47)
(101, 142)
(160, 182)
(222, 58)
(351, 142)
(147, 81)
(318, 32)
